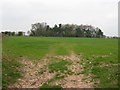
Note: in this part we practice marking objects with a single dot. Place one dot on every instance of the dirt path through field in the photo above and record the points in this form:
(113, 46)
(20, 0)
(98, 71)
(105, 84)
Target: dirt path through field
(74, 81)
(36, 74)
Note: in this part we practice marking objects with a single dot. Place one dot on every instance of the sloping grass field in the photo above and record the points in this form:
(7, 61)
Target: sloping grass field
(98, 56)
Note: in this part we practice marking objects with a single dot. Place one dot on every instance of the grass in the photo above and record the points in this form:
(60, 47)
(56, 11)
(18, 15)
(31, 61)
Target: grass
(108, 76)
(34, 48)
(61, 66)
(105, 73)
(56, 77)
(10, 71)
(46, 86)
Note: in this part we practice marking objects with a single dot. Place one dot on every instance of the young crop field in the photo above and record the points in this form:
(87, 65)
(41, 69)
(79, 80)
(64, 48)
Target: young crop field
(59, 62)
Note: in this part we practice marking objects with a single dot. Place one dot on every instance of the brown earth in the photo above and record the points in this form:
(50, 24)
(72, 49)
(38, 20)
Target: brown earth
(36, 74)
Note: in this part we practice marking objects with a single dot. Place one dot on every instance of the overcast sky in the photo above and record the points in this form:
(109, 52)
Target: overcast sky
(18, 15)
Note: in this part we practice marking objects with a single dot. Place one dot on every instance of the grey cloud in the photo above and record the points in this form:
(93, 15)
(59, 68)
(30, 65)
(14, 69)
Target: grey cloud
(20, 14)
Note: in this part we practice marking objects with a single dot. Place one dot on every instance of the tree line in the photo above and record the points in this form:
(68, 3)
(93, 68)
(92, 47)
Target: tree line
(65, 30)
(9, 33)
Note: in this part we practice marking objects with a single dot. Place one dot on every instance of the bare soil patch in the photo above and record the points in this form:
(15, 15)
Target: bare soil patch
(36, 74)
(31, 77)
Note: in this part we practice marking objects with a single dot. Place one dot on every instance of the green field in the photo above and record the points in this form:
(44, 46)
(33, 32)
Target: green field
(99, 57)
